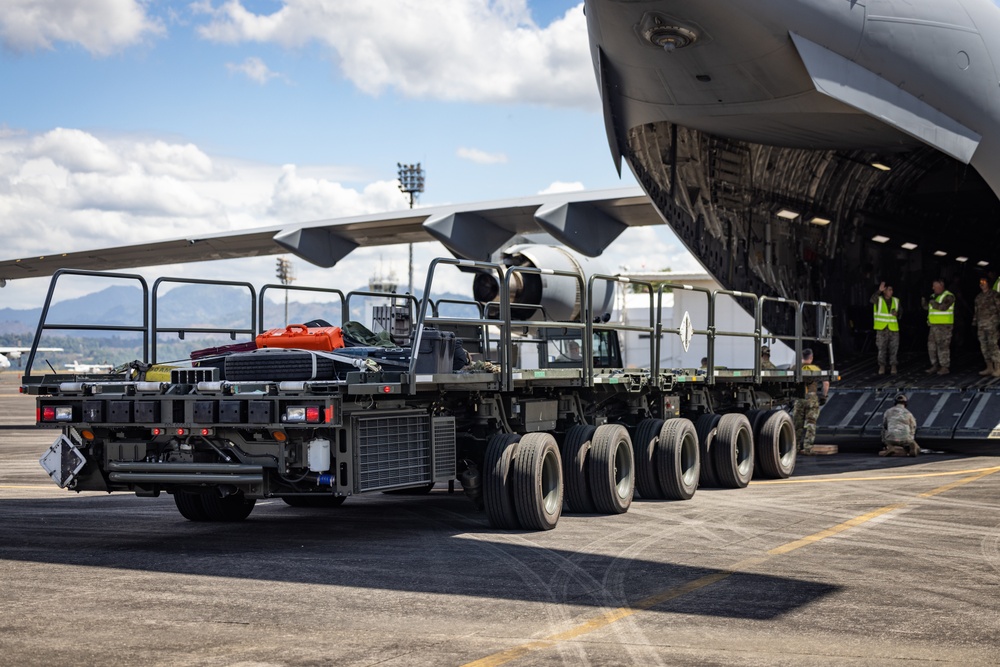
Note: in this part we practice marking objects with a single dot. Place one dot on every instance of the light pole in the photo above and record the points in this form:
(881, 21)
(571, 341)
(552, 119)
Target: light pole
(286, 275)
(411, 182)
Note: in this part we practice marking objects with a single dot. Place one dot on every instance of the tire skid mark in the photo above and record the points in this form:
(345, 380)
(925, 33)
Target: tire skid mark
(626, 611)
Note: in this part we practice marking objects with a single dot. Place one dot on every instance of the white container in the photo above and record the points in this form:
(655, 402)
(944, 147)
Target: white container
(318, 452)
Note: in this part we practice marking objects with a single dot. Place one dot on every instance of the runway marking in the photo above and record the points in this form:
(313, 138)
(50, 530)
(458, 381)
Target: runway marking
(829, 532)
(985, 471)
(608, 618)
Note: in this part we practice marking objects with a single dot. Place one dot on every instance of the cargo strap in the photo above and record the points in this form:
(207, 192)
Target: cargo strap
(361, 363)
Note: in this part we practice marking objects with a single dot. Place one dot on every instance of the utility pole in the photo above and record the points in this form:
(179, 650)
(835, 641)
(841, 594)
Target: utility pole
(411, 182)
(286, 275)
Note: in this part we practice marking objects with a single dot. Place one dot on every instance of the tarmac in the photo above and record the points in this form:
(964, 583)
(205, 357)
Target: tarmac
(855, 560)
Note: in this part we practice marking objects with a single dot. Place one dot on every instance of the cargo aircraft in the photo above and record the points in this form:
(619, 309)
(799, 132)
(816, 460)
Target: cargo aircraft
(799, 148)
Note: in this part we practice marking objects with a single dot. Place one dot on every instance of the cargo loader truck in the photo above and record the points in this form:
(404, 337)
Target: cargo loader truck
(517, 395)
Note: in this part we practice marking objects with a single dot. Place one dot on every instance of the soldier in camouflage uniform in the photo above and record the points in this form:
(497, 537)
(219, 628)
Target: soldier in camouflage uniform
(898, 430)
(987, 320)
(807, 408)
(765, 359)
(941, 320)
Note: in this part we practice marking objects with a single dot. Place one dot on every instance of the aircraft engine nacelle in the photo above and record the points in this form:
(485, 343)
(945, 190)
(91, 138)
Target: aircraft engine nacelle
(558, 296)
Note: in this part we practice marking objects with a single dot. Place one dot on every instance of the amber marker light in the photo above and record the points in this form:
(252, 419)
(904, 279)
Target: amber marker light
(87, 435)
(280, 436)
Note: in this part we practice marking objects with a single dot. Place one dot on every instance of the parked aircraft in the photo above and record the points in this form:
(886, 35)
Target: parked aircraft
(77, 367)
(7, 353)
(812, 148)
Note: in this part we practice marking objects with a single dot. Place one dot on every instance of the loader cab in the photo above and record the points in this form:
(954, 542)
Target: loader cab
(565, 350)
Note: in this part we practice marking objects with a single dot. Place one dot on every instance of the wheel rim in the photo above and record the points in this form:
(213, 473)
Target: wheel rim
(551, 498)
(744, 451)
(623, 470)
(786, 444)
(689, 459)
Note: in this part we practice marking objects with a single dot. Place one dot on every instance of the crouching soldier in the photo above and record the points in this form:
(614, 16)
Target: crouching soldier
(898, 430)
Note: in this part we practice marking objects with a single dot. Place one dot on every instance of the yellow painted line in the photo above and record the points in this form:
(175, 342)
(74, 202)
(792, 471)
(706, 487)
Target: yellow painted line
(829, 532)
(599, 622)
(985, 471)
(25, 486)
(947, 487)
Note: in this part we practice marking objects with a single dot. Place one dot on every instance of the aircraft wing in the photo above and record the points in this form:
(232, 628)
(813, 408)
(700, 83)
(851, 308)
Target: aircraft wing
(584, 221)
(17, 351)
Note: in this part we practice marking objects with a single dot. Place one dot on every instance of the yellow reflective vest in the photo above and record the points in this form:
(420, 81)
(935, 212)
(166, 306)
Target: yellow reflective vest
(941, 316)
(883, 314)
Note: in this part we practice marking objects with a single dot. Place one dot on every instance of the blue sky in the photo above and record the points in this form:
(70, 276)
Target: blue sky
(125, 121)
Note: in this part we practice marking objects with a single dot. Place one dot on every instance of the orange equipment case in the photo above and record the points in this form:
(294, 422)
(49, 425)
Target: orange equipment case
(301, 337)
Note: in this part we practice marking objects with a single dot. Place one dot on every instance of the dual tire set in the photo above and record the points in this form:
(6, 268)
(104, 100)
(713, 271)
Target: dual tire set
(596, 470)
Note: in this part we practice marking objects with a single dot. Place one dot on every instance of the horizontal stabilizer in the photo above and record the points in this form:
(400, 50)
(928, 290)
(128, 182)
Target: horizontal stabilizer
(848, 82)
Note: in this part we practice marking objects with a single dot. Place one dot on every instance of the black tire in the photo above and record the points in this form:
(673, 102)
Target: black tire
(775, 448)
(706, 427)
(538, 487)
(314, 501)
(647, 434)
(498, 493)
(756, 424)
(612, 469)
(190, 505)
(234, 507)
(678, 462)
(575, 459)
(732, 451)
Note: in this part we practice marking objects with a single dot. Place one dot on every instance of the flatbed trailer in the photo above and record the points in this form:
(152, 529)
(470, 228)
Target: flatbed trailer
(315, 428)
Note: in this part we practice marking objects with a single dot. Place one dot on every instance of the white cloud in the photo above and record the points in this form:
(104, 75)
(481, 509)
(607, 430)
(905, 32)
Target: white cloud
(560, 186)
(463, 50)
(74, 190)
(75, 150)
(254, 69)
(481, 157)
(102, 27)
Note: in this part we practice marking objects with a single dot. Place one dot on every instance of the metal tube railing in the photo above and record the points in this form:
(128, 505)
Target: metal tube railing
(232, 331)
(296, 288)
(43, 326)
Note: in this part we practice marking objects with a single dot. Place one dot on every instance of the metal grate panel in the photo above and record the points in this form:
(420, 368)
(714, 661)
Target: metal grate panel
(393, 450)
(444, 449)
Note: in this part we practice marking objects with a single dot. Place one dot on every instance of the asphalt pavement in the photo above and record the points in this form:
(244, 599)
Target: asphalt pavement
(855, 560)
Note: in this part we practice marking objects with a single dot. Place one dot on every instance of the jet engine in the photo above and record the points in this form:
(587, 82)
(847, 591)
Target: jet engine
(558, 296)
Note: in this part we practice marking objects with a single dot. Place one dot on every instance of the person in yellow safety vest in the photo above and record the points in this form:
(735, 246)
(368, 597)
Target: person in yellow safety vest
(886, 319)
(941, 320)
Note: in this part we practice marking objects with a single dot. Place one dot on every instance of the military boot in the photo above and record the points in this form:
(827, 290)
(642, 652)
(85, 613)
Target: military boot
(996, 370)
(893, 369)
(881, 370)
(943, 370)
(914, 449)
(932, 370)
(989, 369)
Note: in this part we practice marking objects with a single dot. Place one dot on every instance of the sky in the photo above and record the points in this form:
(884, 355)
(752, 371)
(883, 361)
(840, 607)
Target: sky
(126, 121)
